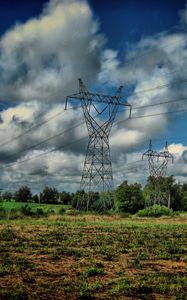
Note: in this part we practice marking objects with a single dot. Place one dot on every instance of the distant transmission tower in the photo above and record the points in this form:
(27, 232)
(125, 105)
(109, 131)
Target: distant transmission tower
(158, 163)
(97, 170)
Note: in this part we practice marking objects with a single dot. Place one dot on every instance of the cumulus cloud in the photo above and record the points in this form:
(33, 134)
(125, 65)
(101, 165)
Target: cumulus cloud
(19, 131)
(43, 58)
(153, 71)
(63, 167)
(179, 167)
(40, 62)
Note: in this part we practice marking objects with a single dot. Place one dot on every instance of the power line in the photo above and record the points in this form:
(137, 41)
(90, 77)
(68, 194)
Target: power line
(160, 103)
(50, 138)
(159, 114)
(152, 115)
(63, 132)
(46, 140)
(128, 167)
(130, 60)
(33, 127)
(61, 112)
(78, 140)
(47, 152)
(158, 87)
(118, 122)
(156, 104)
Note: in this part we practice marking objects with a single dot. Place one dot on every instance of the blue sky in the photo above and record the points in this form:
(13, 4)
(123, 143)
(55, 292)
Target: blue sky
(128, 21)
(46, 45)
(121, 21)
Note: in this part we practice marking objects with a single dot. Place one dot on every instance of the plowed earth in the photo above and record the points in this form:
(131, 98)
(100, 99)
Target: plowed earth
(93, 257)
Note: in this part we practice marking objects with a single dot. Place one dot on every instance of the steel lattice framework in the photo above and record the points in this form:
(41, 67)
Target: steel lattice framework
(158, 163)
(99, 113)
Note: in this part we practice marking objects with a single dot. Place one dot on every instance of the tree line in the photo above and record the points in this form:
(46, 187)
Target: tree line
(127, 198)
(49, 195)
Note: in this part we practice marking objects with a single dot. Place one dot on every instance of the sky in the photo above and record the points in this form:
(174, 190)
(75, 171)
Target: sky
(45, 46)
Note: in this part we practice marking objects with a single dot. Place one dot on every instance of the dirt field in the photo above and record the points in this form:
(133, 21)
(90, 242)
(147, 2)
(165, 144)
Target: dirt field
(93, 257)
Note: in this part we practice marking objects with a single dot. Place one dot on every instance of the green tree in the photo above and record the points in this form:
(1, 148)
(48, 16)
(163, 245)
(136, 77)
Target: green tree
(35, 198)
(184, 198)
(6, 196)
(129, 197)
(178, 198)
(49, 195)
(64, 197)
(171, 194)
(184, 201)
(77, 196)
(23, 194)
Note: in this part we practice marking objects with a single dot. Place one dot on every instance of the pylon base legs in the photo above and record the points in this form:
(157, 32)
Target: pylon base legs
(96, 202)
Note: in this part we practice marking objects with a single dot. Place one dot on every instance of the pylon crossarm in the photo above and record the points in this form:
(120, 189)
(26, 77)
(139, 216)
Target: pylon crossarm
(166, 155)
(150, 154)
(93, 97)
(90, 98)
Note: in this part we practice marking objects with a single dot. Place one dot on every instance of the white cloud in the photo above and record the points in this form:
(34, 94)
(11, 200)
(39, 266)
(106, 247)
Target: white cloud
(43, 58)
(156, 61)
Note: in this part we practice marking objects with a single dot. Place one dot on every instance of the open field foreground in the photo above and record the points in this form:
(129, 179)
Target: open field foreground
(93, 257)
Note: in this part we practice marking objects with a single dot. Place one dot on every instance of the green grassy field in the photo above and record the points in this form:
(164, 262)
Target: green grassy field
(93, 257)
(9, 205)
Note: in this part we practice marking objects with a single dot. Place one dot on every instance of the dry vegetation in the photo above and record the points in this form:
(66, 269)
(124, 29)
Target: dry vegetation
(93, 257)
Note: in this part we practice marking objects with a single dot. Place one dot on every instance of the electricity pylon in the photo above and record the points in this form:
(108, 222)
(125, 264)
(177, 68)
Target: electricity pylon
(99, 113)
(158, 163)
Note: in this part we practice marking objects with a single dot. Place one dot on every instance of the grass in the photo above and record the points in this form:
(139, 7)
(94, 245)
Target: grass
(93, 257)
(9, 205)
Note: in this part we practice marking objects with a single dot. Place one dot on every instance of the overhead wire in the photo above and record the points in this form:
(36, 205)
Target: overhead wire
(59, 148)
(54, 136)
(61, 112)
(34, 127)
(130, 60)
(160, 103)
(44, 122)
(147, 51)
(46, 140)
(159, 87)
(54, 116)
(78, 140)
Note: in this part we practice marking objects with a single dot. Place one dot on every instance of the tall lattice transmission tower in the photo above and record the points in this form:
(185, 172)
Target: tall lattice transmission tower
(99, 113)
(158, 163)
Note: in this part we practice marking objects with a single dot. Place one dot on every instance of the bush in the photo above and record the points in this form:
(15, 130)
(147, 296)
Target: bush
(26, 210)
(156, 211)
(39, 212)
(61, 211)
(49, 211)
